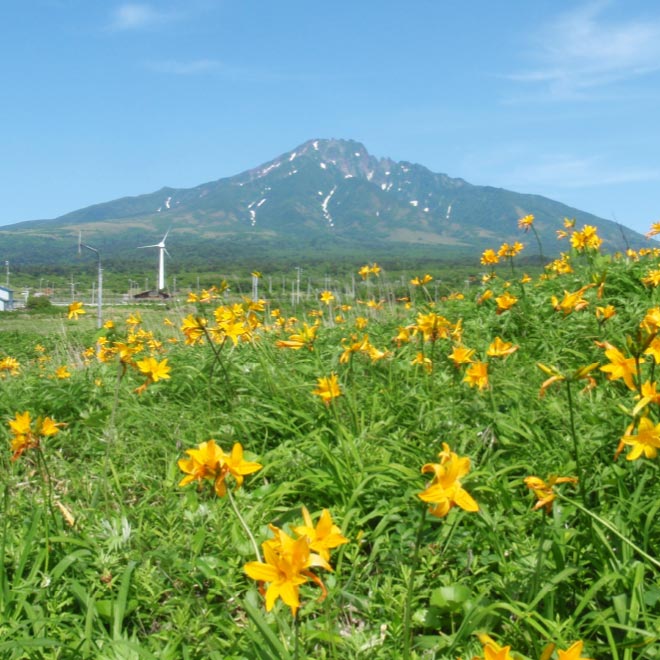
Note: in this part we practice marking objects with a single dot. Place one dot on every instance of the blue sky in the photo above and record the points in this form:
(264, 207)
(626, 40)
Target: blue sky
(102, 99)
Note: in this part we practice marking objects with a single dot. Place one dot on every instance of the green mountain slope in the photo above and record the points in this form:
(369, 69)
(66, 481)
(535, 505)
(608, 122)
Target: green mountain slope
(326, 197)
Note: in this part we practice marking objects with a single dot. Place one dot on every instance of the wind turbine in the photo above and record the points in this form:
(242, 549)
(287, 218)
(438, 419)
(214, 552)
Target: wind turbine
(162, 251)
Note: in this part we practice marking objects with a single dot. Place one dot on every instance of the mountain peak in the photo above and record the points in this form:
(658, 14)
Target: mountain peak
(328, 192)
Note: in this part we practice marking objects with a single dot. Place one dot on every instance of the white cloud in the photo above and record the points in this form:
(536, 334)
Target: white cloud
(135, 16)
(583, 50)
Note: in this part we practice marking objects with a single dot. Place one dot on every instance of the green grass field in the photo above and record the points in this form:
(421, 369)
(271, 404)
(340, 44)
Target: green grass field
(524, 411)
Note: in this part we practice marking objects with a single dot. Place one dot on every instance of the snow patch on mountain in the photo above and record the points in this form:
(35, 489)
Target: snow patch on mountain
(324, 207)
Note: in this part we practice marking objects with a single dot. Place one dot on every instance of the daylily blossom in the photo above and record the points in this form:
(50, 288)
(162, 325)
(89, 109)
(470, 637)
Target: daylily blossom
(544, 491)
(26, 436)
(646, 442)
(287, 565)
(76, 310)
(9, 365)
(573, 652)
(499, 348)
(322, 538)
(476, 375)
(327, 388)
(505, 302)
(620, 366)
(153, 369)
(421, 281)
(305, 338)
(445, 490)
(489, 258)
(327, 297)
(572, 302)
(208, 462)
(655, 229)
(461, 355)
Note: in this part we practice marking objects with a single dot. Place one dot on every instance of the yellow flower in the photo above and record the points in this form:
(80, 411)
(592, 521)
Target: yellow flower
(109, 325)
(445, 490)
(433, 326)
(204, 463)
(303, 339)
(62, 373)
(327, 297)
(476, 375)
(649, 394)
(25, 437)
(322, 538)
(364, 272)
(421, 281)
(286, 567)
(620, 366)
(327, 388)
(652, 278)
(605, 313)
(544, 491)
(508, 250)
(235, 465)
(586, 238)
(427, 363)
(193, 329)
(655, 229)
(209, 462)
(486, 295)
(9, 365)
(76, 310)
(489, 258)
(461, 355)
(573, 652)
(153, 369)
(361, 323)
(134, 320)
(526, 222)
(495, 652)
(499, 348)
(646, 442)
(505, 302)
(572, 301)
(375, 269)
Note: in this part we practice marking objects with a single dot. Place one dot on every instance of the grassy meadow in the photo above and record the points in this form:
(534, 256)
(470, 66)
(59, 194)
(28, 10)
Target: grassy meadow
(392, 474)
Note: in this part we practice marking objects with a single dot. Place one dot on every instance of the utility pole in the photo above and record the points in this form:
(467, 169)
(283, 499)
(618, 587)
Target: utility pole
(7, 267)
(99, 313)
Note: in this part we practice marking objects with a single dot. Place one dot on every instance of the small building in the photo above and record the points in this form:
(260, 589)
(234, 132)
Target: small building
(6, 299)
(151, 295)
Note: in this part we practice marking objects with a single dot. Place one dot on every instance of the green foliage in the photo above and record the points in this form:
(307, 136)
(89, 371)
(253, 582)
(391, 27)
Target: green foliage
(149, 569)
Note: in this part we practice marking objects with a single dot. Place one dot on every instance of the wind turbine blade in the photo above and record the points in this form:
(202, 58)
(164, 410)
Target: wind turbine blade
(166, 252)
(141, 247)
(165, 237)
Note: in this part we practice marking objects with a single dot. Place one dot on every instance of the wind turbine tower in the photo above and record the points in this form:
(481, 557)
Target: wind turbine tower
(162, 251)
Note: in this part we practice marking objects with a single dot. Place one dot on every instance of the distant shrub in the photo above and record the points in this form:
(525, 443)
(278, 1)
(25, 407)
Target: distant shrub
(39, 304)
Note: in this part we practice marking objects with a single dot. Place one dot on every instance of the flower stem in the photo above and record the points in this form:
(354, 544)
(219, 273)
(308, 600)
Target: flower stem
(244, 525)
(576, 452)
(3, 541)
(407, 612)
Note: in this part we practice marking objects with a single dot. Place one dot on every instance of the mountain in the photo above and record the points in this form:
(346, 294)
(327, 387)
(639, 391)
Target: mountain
(324, 198)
